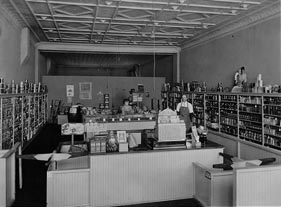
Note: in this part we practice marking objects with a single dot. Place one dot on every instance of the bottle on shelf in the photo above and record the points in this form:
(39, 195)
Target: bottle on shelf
(204, 87)
(220, 87)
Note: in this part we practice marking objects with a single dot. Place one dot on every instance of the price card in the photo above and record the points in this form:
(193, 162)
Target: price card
(72, 128)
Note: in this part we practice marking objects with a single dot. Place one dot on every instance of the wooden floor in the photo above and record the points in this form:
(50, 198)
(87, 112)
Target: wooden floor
(33, 193)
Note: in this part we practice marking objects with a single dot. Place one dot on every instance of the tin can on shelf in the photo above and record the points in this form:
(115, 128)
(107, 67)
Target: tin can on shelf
(13, 87)
(26, 86)
(34, 88)
(17, 88)
(21, 87)
(2, 85)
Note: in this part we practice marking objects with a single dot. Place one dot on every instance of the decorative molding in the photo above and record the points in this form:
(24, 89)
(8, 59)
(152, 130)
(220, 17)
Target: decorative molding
(24, 45)
(12, 14)
(10, 17)
(55, 46)
(249, 19)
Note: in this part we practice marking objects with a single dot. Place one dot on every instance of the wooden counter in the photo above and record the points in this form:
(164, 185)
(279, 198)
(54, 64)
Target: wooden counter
(115, 179)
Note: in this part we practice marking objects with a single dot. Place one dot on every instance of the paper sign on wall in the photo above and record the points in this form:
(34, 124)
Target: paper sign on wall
(70, 90)
(85, 90)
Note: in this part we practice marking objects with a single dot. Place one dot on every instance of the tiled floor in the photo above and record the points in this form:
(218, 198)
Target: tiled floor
(33, 193)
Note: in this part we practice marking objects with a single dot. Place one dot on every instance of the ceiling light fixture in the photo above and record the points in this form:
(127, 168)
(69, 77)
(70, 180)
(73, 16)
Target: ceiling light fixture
(245, 6)
(181, 1)
(102, 20)
(233, 11)
(175, 7)
(108, 2)
(50, 30)
(43, 17)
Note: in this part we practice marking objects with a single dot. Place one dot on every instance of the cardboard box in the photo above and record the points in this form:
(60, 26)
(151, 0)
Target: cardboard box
(123, 147)
(62, 119)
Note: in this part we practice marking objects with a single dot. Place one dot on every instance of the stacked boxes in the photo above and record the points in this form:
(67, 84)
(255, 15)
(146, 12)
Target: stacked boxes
(106, 101)
(98, 144)
(105, 104)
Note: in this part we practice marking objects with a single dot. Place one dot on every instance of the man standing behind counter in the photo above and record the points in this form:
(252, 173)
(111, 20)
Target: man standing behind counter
(185, 111)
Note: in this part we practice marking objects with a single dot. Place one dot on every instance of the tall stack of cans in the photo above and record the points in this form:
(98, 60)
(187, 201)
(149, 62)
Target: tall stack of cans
(2, 86)
(106, 101)
(105, 104)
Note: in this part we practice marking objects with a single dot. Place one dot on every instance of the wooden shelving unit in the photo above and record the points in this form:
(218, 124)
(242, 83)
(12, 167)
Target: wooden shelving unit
(21, 116)
(252, 117)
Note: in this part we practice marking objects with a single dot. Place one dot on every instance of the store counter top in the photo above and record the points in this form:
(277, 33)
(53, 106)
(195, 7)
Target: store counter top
(130, 177)
(177, 147)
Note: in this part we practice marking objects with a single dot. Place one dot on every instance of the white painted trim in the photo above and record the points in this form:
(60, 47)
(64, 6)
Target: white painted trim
(178, 66)
(78, 47)
(36, 65)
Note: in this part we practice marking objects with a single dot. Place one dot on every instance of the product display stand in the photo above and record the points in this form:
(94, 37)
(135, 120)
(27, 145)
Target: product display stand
(72, 129)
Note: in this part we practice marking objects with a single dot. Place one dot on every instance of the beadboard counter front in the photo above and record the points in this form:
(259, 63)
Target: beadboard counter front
(128, 178)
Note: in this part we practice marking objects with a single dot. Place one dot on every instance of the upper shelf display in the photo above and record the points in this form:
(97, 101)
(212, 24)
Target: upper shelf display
(253, 117)
(21, 116)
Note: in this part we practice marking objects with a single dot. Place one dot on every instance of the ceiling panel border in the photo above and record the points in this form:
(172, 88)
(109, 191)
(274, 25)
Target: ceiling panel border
(271, 11)
(78, 47)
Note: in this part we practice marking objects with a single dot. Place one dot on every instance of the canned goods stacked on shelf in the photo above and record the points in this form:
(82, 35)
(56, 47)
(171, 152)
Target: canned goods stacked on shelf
(17, 125)
(21, 87)
(7, 122)
(21, 114)
(25, 119)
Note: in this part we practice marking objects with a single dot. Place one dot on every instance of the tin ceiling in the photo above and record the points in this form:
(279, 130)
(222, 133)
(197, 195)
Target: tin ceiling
(130, 22)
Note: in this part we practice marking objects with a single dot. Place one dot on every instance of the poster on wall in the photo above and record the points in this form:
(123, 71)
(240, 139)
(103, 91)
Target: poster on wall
(70, 90)
(85, 90)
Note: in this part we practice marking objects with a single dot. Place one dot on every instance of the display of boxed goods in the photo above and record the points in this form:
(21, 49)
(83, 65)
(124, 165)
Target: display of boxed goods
(97, 144)
(170, 127)
(94, 128)
(106, 101)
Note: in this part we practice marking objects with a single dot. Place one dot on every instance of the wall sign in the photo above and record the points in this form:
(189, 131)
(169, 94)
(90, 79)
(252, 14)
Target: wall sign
(70, 90)
(85, 90)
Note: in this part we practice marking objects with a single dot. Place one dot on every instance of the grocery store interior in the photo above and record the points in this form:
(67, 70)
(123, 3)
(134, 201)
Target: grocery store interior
(140, 103)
